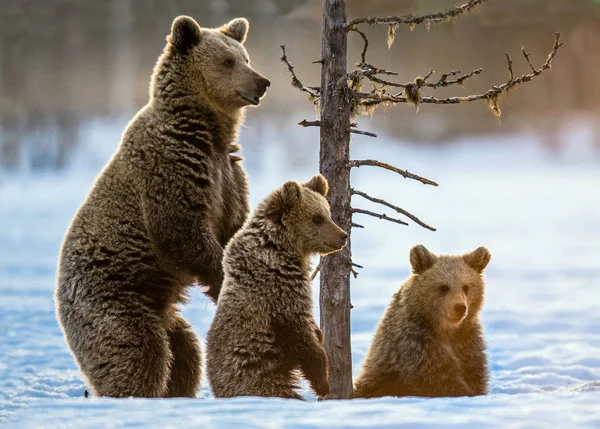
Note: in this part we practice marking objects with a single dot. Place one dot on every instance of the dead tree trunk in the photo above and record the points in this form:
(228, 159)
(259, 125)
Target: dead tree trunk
(339, 102)
(334, 161)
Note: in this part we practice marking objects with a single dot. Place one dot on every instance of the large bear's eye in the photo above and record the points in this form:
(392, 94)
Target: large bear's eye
(318, 219)
(444, 289)
(228, 63)
(466, 289)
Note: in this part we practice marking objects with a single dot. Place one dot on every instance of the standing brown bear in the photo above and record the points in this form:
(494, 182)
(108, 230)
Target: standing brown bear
(430, 340)
(158, 218)
(264, 329)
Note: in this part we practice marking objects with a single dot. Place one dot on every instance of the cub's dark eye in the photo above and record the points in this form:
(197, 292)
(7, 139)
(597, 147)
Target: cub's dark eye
(466, 289)
(318, 219)
(228, 63)
(444, 289)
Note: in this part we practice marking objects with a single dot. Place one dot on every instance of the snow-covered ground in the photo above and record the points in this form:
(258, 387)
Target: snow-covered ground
(538, 213)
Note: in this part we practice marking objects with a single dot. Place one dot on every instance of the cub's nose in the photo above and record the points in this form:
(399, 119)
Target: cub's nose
(460, 309)
(263, 84)
(344, 235)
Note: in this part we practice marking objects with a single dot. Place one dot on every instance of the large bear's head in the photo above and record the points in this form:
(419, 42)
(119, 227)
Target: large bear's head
(299, 215)
(446, 289)
(211, 63)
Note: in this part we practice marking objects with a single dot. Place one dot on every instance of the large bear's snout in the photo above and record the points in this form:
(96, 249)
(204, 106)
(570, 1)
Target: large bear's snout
(263, 83)
(341, 239)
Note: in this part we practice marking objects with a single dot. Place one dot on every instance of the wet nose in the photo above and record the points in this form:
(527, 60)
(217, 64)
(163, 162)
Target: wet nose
(460, 309)
(264, 83)
(344, 235)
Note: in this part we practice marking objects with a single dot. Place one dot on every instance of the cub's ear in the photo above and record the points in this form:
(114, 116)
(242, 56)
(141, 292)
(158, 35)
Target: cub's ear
(237, 29)
(185, 33)
(478, 258)
(318, 184)
(283, 200)
(421, 259)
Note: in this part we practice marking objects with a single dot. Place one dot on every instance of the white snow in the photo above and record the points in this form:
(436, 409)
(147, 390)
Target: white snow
(538, 212)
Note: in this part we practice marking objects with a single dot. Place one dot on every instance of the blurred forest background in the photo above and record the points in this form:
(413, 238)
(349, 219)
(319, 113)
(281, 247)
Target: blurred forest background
(65, 64)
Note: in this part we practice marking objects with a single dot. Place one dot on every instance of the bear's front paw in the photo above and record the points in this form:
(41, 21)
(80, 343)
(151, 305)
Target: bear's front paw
(321, 388)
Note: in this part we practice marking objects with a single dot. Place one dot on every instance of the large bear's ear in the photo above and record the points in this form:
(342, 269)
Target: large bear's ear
(318, 184)
(185, 33)
(237, 29)
(421, 259)
(283, 200)
(478, 258)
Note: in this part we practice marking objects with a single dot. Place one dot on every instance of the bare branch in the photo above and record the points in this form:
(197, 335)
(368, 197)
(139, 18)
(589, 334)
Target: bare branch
(370, 72)
(380, 216)
(428, 75)
(491, 95)
(413, 20)
(364, 133)
(352, 270)
(363, 54)
(315, 272)
(552, 54)
(526, 55)
(406, 174)
(393, 207)
(312, 91)
(510, 64)
(306, 123)
(443, 81)
(357, 225)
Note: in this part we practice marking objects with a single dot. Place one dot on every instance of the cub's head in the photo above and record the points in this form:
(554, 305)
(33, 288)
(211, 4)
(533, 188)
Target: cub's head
(447, 289)
(210, 62)
(299, 214)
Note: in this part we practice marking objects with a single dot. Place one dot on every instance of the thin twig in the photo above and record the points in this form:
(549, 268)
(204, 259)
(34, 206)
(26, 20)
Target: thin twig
(380, 216)
(364, 133)
(526, 55)
(443, 81)
(370, 72)
(406, 174)
(306, 123)
(363, 54)
(295, 81)
(413, 20)
(393, 207)
(492, 94)
(352, 270)
(510, 68)
(357, 225)
(315, 272)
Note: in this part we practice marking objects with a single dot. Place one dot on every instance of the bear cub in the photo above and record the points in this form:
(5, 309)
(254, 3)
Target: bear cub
(264, 329)
(430, 340)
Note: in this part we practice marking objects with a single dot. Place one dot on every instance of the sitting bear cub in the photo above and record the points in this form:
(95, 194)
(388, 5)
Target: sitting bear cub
(264, 329)
(430, 340)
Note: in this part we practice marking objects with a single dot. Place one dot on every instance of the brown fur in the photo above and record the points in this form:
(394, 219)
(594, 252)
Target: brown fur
(157, 219)
(264, 329)
(424, 345)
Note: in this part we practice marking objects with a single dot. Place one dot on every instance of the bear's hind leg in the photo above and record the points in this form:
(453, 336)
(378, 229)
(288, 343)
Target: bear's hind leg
(122, 349)
(186, 367)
